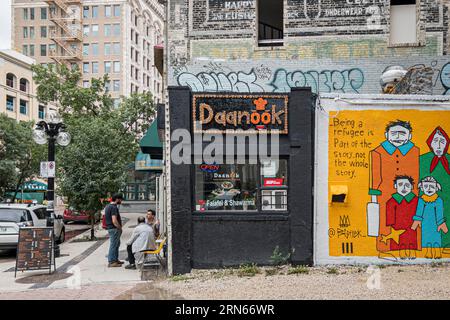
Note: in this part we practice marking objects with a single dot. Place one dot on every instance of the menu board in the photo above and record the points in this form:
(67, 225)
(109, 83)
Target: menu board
(35, 250)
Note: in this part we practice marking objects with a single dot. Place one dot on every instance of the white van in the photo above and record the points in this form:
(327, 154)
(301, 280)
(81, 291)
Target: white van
(14, 216)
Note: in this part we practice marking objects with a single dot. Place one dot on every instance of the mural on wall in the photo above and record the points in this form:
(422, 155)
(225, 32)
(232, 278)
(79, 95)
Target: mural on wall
(404, 157)
(430, 77)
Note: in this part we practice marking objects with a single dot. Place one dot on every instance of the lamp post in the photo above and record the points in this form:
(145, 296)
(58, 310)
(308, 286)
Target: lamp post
(51, 131)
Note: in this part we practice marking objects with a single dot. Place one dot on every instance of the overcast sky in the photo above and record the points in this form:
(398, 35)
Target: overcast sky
(5, 24)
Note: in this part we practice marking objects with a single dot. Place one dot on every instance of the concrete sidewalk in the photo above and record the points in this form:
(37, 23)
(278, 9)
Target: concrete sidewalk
(86, 261)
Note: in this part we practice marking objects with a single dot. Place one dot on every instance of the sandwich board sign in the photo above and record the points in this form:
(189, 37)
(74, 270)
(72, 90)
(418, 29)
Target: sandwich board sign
(35, 250)
(48, 169)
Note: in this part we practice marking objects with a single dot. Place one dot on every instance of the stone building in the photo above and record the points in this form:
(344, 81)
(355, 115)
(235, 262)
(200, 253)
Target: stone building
(114, 37)
(17, 88)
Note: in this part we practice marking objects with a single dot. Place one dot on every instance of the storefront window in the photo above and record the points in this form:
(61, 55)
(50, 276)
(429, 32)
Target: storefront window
(274, 185)
(226, 187)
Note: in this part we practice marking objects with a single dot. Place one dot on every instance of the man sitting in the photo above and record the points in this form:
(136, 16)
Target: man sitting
(143, 238)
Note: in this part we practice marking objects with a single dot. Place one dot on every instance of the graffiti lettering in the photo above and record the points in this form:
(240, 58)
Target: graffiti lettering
(213, 82)
(445, 78)
(350, 80)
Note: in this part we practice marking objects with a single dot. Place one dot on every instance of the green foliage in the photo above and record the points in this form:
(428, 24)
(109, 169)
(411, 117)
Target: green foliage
(104, 139)
(248, 270)
(299, 270)
(278, 258)
(271, 272)
(333, 270)
(19, 155)
(179, 278)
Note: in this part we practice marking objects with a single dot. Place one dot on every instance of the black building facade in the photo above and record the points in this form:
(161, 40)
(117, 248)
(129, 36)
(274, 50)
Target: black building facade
(232, 214)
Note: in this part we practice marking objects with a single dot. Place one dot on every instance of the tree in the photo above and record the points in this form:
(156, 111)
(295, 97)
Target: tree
(19, 155)
(104, 139)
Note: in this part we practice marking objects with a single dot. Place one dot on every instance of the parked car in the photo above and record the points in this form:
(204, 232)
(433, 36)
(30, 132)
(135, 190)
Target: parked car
(15, 216)
(71, 214)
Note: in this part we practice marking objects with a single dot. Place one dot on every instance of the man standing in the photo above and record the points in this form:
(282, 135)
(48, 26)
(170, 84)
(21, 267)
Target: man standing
(142, 239)
(114, 226)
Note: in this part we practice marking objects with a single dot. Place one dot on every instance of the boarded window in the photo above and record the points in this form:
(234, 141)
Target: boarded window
(403, 22)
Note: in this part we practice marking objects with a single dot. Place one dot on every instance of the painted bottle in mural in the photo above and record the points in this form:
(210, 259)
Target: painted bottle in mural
(436, 164)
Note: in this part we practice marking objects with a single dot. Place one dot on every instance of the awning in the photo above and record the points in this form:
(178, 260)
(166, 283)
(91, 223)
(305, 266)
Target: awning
(150, 143)
(145, 162)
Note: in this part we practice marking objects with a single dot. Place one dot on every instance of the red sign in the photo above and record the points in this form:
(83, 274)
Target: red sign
(273, 182)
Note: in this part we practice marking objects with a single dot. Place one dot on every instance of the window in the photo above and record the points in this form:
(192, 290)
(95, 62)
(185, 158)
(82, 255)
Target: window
(108, 30)
(94, 67)
(107, 66)
(86, 30)
(10, 102)
(235, 187)
(85, 12)
(25, 32)
(31, 13)
(25, 14)
(31, 50)
(116, 85)
(31, 32)
(95, 50)
(52, 48)
(43, 13)
(107, 49)
(116, 48)
(86, 84)
(403, 24)
(43, 50)
(108, 11)
(117, 11)
(270, 23)
(25, 49)
(94, 11)
(41, 112)
(23, 106)
(11, 80)
(24, 85)
(116, 29)
(116, 66)
(95, 30)
(226, 187)
(85, 49)
(44, 32)
(107, 86)
(52, 10)
(85, 67)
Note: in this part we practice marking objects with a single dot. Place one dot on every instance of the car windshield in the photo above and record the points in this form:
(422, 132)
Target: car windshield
(13, 215)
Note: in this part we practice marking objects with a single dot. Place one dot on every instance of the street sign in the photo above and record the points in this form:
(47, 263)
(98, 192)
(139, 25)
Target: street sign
(35, 250)
(48, 169)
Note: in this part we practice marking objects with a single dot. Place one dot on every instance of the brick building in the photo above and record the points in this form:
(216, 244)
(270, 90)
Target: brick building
(225, 50)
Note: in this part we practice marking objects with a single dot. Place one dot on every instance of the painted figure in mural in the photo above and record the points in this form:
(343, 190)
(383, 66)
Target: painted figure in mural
(396, 155)
(436, 163)
(430, 217)
(400, 210)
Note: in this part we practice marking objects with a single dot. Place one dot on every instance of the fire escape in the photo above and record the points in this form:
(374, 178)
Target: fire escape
(67, 34)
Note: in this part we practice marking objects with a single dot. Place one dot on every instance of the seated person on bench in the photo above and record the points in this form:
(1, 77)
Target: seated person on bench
(143, 238)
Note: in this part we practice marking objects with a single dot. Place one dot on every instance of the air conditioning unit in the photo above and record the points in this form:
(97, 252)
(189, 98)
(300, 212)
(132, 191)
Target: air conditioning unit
(274, 200)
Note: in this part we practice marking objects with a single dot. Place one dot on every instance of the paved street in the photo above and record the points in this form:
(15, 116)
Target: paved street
(83, 263)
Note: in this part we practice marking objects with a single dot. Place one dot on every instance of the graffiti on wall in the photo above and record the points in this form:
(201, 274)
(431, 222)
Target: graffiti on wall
(350, 80)
(445, 78)
(405, 211)
(214, 80)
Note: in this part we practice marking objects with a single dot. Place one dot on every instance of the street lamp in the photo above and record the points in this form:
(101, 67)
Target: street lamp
(51, 131)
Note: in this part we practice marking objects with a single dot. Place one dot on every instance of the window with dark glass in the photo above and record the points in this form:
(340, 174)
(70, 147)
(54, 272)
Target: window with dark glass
(43, 13)
(236, 187)
(23, 106)
(270, 23)
(41, 113)
(10, 103)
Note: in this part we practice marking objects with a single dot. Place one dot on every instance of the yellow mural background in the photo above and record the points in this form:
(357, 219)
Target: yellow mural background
(348, 221)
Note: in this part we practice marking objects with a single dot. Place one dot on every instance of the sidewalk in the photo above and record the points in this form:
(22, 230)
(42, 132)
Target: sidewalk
(87, 261)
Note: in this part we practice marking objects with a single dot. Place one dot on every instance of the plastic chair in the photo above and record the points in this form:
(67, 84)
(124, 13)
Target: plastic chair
(155, 253)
